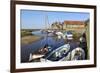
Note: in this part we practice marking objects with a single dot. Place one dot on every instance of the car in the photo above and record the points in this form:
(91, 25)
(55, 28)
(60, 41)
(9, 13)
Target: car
(69, 35)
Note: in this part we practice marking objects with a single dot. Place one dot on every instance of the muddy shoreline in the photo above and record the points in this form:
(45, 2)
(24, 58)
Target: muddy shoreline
(30, 39)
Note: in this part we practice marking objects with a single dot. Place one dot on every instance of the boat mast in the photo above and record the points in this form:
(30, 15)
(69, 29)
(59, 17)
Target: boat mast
(46, 24)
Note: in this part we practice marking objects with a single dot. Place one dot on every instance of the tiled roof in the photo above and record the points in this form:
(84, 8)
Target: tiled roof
(74, 22)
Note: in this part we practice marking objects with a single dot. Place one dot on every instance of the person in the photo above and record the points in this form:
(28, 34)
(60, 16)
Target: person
(83, 44)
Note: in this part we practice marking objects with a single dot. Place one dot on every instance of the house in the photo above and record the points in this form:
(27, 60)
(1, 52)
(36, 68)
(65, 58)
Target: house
(74, 25)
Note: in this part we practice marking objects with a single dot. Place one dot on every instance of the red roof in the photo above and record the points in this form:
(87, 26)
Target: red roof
(74, 22)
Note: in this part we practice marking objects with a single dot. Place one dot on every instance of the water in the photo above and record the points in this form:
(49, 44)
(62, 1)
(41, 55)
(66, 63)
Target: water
(38, 33)
(51, 41)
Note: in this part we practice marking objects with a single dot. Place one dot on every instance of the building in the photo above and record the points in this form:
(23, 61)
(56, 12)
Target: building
(74, 25)
(56, 25)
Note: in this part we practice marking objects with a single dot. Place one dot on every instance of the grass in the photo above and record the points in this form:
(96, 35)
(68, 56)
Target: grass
(25, 33)
(88, 41)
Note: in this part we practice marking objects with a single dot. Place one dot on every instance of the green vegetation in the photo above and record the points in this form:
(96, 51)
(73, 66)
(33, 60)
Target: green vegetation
(76, 36)
(25, 33)
(88, 39)
(27, 37)
(30, 30)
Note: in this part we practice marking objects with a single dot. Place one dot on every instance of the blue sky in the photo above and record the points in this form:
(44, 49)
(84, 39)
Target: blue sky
(32, 19)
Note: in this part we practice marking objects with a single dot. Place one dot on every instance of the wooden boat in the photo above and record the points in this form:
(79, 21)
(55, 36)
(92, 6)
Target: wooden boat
(39, 54)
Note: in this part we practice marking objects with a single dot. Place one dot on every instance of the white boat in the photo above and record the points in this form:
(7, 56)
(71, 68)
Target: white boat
(60, 51)
(76, 54)
(35, 56)
(38, 54)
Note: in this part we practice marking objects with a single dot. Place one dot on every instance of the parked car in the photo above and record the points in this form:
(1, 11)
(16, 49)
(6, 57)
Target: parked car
(69, 35)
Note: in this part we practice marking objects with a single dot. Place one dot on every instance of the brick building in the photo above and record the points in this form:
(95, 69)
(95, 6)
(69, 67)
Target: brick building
(74, 25)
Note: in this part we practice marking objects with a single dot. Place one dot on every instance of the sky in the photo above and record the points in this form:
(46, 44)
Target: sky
(31, 19)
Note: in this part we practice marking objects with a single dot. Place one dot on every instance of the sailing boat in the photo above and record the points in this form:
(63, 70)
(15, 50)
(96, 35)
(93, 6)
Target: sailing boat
(42, 51)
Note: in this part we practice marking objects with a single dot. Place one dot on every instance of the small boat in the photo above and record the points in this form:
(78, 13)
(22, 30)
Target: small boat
(58, 52)
(35, 56)
(39, 54)
(76, 54)
(42, 51)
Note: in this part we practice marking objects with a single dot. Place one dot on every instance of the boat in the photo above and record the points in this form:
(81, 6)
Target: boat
(35, 56)
(42, 51)
(58, 52)
(76, 54)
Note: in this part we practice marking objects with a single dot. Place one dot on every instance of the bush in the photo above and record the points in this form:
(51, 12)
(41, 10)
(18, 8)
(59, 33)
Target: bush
(76, 36)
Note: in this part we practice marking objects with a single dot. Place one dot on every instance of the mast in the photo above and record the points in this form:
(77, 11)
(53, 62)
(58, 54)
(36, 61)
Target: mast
(46, 24)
